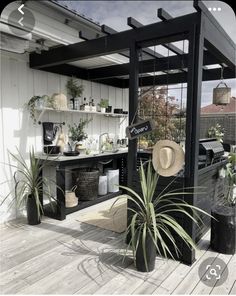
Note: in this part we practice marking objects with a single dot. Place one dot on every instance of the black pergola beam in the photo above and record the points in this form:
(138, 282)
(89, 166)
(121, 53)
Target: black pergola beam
(157, 33)
(148, 51)
(200, 7)
(162, 64)
(218, 46)
(108, 31)
(103, 74)
(208, 75)
(165, 16)
(88, 36)
(216, 39)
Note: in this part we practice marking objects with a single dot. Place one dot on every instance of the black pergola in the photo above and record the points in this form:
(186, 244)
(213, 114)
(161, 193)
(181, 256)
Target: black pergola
(208, 44)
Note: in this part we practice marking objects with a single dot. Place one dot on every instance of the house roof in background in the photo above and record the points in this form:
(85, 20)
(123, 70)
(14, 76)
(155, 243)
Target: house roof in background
(230, 108)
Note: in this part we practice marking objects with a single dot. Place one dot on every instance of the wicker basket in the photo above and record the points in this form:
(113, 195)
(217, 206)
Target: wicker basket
(87, 184)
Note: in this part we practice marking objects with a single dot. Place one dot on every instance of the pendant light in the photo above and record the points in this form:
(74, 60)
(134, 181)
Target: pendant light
(221, 95)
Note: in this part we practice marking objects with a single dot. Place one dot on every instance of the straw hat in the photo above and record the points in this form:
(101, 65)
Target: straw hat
(167, 158)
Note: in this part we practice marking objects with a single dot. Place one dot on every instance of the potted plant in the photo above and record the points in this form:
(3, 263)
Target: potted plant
(30, 186)
(38, 102)
(77, 133)
(103, 105)
(223, 227)
(74, 90)
(152, 224)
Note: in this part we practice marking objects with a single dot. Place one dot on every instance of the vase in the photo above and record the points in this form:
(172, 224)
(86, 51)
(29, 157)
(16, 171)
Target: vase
(72, 145)
(103, 110)
(33, 216)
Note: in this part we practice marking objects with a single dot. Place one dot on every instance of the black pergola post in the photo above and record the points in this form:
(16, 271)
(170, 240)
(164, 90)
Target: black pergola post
(133, 106)
(194, 83)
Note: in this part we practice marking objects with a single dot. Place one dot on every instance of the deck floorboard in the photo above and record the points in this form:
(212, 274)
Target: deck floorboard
(70, 257)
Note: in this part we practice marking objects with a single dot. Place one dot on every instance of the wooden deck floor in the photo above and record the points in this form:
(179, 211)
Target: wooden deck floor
(69, 257)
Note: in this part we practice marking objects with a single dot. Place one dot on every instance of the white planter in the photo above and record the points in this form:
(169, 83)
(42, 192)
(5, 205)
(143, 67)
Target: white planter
(102, 186)
(112, 180)
(103, 110)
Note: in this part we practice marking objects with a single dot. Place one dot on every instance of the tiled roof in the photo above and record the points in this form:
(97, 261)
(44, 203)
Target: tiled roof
(230, 108)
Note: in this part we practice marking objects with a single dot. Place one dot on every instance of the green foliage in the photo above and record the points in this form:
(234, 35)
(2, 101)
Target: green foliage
(153, 215)
(232, 158)
(73, 89)
(230, 197)
(104, 103)
(76, 131)
(31, 105)
(216, 132)
(155, 104)
(29, 182)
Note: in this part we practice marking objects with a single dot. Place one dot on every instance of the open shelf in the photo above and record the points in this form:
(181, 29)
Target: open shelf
(84, 204)
(43, 110)
(47, 209)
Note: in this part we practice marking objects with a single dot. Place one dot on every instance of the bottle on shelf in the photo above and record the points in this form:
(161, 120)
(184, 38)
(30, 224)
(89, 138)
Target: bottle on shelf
(86, 106)
(93, 107)
(82, 106)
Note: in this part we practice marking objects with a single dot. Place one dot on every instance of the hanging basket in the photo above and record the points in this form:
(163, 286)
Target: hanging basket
(221, 95)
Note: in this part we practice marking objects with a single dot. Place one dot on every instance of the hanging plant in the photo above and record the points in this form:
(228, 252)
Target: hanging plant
(32, 104)
(73, 89)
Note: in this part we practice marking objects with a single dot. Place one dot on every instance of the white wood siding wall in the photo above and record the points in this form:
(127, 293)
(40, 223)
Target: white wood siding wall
(18, 84)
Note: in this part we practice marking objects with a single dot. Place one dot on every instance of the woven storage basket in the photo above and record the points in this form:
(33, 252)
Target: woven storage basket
(87, 184)
(71, 199)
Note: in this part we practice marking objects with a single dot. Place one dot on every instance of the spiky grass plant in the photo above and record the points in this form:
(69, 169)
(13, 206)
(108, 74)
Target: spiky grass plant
(151, 216)
(29, 183)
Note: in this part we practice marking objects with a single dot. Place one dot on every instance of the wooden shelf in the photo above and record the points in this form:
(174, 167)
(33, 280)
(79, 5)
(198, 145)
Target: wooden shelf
(43, 110)
(47, 209)
(84, 204)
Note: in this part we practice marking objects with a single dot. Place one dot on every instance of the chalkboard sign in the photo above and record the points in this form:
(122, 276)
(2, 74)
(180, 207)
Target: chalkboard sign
(136, 130)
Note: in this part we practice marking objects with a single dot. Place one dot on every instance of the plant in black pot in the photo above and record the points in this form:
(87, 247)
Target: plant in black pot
(153, 223)
(30, 186)
(74, 90)
(223, 226)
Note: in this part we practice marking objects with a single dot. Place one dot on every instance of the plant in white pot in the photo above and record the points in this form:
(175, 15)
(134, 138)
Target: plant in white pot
(103, 105)
(77, 133)
(74, 90)
(152, 222)
(30, 186)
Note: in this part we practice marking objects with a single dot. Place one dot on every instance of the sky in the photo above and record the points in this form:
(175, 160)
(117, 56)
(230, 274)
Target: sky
(115, 13)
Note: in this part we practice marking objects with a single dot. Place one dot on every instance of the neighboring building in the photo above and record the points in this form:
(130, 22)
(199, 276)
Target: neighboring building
(224, 115)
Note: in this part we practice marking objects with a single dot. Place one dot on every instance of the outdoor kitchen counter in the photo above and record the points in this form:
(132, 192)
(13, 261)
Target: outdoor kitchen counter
(67, 160)
(61, 165)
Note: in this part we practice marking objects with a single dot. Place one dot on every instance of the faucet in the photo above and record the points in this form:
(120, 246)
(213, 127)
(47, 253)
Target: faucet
(100, 142)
